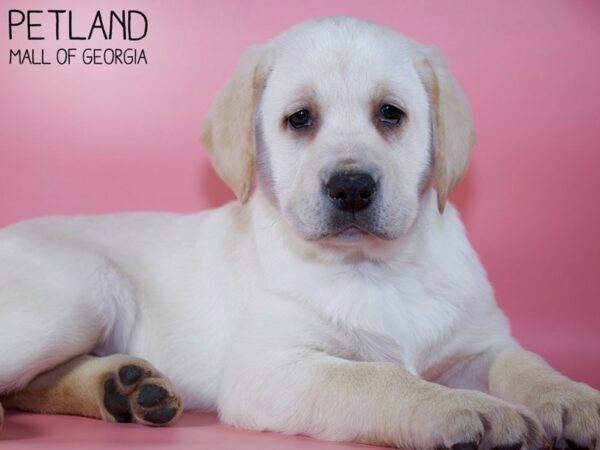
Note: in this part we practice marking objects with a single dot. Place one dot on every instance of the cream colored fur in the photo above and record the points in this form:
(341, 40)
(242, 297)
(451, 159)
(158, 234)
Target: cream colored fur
(389, 334)
(77, 387)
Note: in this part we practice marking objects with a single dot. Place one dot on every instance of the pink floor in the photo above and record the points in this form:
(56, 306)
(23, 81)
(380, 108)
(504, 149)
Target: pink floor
(193, 430)
(578, 358)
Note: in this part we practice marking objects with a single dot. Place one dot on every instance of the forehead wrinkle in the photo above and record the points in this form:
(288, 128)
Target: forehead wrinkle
(340, 78)
(351, 80)
(301, 97)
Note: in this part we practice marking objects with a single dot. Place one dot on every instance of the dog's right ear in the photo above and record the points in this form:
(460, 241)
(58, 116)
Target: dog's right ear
(228, 130)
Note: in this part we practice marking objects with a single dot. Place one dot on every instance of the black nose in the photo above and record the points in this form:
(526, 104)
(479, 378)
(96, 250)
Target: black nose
(351, 191)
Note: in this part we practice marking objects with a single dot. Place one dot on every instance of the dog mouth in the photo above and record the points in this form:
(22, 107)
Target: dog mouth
(343, 228)
(350, 234)
(353, 232)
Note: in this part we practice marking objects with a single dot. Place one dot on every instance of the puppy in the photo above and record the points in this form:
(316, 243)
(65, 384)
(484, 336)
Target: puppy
(340, 300)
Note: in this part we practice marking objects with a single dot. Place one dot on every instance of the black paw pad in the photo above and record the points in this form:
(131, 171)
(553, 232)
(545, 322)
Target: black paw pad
(516, 446)
(161, 415)
(465, 446)
(130, 374)
(570, 445)
(151, 395)
(115, 402)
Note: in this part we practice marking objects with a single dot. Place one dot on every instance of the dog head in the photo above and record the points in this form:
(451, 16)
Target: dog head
(343, 122)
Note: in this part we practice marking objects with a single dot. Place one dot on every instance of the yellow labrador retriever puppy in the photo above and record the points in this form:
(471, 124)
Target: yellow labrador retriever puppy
(340, 300)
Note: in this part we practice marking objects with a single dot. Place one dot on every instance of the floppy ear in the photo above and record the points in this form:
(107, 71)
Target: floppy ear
(453, 131)
(228, 130)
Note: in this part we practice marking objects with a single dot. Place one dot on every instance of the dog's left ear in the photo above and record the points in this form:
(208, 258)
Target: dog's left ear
(454, 133)
(228, 130)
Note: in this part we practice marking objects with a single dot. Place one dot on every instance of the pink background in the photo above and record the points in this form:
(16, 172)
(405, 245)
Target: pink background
(96, 139)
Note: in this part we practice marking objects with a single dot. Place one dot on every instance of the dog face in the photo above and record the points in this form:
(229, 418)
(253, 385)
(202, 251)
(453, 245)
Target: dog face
(337, 116)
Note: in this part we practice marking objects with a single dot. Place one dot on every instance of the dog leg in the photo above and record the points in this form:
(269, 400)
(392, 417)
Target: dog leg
(376, 403)
(115, 388)
(569, 411)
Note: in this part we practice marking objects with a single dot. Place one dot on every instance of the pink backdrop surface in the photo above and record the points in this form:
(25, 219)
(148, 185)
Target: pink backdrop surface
(84, 139)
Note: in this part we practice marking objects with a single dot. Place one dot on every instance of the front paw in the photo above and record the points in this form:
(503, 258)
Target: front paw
(469, 420)
(569, 413)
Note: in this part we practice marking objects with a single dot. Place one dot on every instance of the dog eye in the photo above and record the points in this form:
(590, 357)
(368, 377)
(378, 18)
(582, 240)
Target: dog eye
(390, 115)
(300, 119)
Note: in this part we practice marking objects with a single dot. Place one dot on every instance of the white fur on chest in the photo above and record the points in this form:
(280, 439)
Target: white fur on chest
(416, 309)
(390, 316)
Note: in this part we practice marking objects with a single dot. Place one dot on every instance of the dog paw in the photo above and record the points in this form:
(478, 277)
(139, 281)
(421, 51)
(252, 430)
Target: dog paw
(136, 392)
(570, 415)
(477, 421)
